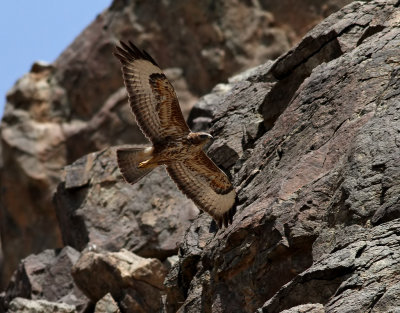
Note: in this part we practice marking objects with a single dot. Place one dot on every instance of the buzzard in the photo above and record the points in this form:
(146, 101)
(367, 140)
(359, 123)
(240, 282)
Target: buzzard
(156, 108)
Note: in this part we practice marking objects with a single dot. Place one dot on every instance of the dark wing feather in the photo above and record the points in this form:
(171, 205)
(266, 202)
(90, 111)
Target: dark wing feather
(151, 96)
(203, 182)
(167, 107)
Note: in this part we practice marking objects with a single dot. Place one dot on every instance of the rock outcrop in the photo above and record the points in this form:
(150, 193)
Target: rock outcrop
(135, 282)
(45, 277)
(96, 207)
(312, 143)
(59, 112)
(359, 274)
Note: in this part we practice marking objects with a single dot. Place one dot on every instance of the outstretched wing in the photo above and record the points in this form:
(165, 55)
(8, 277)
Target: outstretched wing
(151, 96)
(203, 182)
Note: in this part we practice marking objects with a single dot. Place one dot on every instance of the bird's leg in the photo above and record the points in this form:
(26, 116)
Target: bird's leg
(152, 162)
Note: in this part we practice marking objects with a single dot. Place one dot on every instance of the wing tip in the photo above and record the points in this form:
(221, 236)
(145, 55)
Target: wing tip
(128, 52)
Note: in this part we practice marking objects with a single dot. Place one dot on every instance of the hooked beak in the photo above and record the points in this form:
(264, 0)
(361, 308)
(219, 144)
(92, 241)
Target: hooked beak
(209, 142)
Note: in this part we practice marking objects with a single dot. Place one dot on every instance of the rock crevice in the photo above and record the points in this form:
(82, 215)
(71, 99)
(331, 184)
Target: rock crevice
(312, 144)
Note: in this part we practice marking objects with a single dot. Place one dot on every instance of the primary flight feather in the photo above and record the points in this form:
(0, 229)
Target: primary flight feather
(156, 107)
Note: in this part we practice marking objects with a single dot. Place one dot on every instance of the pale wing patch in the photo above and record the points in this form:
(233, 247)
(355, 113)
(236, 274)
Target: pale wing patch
(221, 206)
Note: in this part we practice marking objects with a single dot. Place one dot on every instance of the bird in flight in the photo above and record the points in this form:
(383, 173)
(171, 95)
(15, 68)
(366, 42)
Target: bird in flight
(156, 108)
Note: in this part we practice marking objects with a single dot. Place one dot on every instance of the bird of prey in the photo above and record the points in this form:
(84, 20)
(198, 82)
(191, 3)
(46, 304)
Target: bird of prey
(156, 108)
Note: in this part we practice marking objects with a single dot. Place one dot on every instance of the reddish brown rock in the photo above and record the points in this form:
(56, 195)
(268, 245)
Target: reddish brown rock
(45, 276)
(312, 144)
(60, 112)
(96, 207)
(134, 281)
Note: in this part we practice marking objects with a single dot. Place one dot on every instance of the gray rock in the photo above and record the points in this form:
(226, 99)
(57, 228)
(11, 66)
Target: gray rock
(354, 277)
(95, 206)
(312, 144)
(106, 305)
(46, 276)
(306, 308)
(21, 305)
(135, 282)
(60, 112)
(389, 300)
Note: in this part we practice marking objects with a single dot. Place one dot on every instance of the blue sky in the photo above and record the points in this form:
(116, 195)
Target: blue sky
(33, 30)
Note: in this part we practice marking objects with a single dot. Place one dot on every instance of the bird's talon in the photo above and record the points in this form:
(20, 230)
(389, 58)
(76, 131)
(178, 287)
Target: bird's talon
(144, 164)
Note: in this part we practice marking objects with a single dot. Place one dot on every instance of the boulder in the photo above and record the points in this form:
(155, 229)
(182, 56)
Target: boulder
(96, 207)
(45, 276)
(135, 282)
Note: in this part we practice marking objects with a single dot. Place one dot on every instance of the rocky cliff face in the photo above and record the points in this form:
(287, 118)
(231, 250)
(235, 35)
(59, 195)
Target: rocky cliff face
(312, 142)
(62, 111)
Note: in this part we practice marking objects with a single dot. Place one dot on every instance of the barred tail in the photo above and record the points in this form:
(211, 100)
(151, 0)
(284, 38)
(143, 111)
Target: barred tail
(129, 160)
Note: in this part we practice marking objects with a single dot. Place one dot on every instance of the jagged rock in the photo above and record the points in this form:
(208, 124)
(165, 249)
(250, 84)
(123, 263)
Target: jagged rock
(106, 305)
(135, 282)
(356, 276)
(21, 305)
(96, 206)
(306, 308)
(59, 112)
(170, 261)
(32, 157)
(46, 276)
(312, 144)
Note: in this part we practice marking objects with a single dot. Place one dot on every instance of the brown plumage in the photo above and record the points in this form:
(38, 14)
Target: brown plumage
(156, 108)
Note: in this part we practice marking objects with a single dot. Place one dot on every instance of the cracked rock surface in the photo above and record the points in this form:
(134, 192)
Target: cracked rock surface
(46, 278)
(135, 282)
(62, 111)
(360, 274)
(313, 143)
(96, 207)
